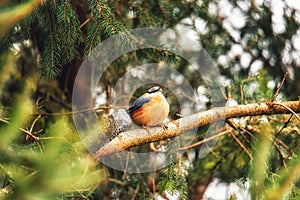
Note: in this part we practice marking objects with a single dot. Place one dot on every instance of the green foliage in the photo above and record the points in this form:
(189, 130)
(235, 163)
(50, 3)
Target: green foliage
(12, 13)
(269, 140)
(260, 165)
(62, 36)
(277, 185)
(169, 181)
(104, 25)
(252, 89)
(263, 89)
(43, 167)
(174, 180)
(59, 26)
(285, 184)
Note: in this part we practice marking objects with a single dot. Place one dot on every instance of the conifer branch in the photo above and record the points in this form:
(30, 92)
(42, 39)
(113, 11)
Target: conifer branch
(142, 136)
(52, 41)
(106, 19)
(92, 39)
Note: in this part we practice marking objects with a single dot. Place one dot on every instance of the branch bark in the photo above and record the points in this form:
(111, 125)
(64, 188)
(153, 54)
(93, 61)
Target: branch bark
(142, 136)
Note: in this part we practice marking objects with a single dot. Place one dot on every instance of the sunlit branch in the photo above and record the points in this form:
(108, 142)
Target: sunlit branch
(142, 136)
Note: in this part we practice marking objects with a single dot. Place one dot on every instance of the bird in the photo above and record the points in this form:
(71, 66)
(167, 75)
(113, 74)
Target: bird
(150, 109)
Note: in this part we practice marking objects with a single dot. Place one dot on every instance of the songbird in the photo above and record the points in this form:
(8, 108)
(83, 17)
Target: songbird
(151, 109)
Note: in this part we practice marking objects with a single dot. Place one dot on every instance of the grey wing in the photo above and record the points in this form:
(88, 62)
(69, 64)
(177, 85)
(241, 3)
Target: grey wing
(138, 103)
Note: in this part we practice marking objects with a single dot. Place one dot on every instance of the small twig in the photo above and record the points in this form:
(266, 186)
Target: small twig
(280, 155)
(67, 113)
(54, 138)
(21, 129)
(284, 126)
(280, 85)
(234, 126)
(135, 192)
(278, 141)
(205, 140)
(293, 150)
(4, 120)
(33, 124)
(241, 144)
(30, 134)
(243, 130)
(126, 166)
(108, 98)
(116, 181)
(224, 93)
(37, 103)
(289, 109)
(85, 22)
(163, 12)
(81, 111)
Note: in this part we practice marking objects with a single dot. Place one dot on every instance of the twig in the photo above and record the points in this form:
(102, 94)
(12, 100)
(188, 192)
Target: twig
(241, 144)
(278, 141)
(30, 134)
(21, 129)
(135, 192)
(284, 126)
(280, 155)
(85, 22)
(4, 120)
(280, 85)
(126, 167)
(205, 140)
(81, 111)
(235, 127)
(33, 124)
(289, 109)
(115, 181)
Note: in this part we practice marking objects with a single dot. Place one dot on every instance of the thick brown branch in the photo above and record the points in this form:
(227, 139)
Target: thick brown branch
(142, 136)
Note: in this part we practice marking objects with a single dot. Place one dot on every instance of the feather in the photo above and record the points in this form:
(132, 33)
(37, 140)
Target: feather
(138, 103)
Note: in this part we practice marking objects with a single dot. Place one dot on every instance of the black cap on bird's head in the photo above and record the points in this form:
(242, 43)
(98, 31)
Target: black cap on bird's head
(154, 89)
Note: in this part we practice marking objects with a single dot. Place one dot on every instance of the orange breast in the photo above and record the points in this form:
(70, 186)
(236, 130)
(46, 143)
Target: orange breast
(140, 117)
(152, 113)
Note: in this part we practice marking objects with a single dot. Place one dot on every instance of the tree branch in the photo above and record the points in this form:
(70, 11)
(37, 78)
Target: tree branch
(142, 136)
